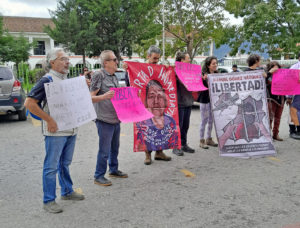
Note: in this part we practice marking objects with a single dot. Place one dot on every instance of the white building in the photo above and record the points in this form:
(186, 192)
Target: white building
(33, 28)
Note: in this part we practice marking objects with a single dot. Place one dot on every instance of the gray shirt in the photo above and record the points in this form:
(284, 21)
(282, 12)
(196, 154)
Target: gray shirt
(105, 110)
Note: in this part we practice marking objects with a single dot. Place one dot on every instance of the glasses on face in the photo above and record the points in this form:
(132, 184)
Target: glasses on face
(115, 60)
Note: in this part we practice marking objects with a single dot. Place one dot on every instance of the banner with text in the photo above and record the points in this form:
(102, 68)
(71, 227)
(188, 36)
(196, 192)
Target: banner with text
(190, 76)
(286, 82)
(129, 106)
(70, 103)
(239, 106)
(158, 93)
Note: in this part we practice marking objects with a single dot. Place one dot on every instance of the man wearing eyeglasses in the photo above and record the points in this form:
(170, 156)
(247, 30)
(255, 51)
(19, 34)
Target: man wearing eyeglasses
(59, 145)
(107, 121)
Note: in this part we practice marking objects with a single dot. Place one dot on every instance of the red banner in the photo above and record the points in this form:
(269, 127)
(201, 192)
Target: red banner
(157, 84)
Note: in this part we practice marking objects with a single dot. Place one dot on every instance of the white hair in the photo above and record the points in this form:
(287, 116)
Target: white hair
(153, 49)
(105, 55)
(52, 55)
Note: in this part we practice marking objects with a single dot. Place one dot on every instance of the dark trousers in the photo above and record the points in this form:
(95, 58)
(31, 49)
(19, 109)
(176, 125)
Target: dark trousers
(275, 112)
(184, 122)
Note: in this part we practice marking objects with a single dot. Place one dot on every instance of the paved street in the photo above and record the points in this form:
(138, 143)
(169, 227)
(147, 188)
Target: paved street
(225, 192)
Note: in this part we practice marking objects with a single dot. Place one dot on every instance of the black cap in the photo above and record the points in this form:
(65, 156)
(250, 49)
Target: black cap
(234, 65)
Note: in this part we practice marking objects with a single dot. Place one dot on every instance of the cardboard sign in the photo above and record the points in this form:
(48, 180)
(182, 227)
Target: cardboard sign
(286, 82)
(190, 76)
(70, 103)
(129, 106)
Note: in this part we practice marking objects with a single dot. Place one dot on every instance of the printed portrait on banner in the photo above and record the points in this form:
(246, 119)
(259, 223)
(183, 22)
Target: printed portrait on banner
(157, 84)
(239, 106)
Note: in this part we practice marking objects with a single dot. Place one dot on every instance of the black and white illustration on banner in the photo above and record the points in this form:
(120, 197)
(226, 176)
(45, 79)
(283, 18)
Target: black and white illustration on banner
(240, 114)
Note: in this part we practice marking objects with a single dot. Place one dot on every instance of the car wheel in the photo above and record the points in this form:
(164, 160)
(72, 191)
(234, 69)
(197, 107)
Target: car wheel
(22, 114)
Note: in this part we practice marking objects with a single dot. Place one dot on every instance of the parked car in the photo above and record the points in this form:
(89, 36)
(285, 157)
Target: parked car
(12, 95)
(120, 73)
(227, 69)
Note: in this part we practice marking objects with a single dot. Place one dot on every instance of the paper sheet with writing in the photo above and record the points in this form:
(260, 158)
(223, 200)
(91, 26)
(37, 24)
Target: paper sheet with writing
(129, 106)
(70, 103)
(190, 76)
(286, 82)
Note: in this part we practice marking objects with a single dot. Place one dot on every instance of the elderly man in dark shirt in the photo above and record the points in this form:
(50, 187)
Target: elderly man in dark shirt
(107, 121)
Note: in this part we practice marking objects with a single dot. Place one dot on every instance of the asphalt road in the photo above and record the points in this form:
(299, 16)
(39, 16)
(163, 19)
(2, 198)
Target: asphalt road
(225, 192)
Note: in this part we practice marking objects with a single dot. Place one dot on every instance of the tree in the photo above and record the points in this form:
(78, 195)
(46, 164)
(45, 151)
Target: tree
(73, 27)
(95, 25)
(15, 49)
(193, 23)
(268, 25)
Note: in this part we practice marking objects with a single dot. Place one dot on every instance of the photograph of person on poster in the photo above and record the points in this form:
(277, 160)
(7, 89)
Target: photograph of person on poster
(159, 132)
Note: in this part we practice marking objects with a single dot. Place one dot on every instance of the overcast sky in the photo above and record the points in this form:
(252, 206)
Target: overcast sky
(39, 8)
(27, 8)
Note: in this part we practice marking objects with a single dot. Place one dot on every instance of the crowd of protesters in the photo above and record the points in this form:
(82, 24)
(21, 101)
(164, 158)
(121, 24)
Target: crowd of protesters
(59, 145)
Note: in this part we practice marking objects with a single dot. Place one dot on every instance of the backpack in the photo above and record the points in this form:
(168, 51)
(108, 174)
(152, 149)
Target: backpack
(40, 103)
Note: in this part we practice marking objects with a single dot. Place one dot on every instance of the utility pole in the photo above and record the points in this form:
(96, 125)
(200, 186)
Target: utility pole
(163, 32)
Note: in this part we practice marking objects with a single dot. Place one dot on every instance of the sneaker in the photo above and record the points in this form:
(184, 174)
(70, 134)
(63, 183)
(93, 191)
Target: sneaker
(187, 149)
(73, 196)
(295, 135)
(178, 152)
(102, 181)
(118, 174)
(52, 207)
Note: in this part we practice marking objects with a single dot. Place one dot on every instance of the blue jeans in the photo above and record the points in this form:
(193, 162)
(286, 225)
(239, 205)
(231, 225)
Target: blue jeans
(59, 154)
(184, 123)
(109, 141)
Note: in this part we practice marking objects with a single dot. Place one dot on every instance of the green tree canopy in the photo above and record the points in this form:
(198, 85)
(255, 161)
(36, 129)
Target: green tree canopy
(269, 25)
(90, 26)
(15, 49)
(193, 23)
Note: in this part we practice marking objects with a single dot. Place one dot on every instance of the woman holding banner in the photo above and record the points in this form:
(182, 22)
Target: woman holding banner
(210, 67)
(275, 102)
(185, 103)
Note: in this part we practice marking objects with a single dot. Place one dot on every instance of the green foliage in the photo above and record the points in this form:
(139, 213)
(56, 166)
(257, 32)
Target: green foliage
(271, 26)
(74, 27)
(90, 26)
(193, 23)
(15, 49)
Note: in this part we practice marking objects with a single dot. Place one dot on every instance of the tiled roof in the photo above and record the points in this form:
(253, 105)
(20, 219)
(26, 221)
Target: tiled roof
(26, 24)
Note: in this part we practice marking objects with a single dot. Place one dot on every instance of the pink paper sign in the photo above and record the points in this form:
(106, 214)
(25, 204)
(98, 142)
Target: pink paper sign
(286, 82)
(190, 76)
(129, 106)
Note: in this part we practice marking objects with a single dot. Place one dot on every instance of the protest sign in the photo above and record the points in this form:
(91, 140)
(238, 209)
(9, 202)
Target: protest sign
(70, 103)
(158, 93)
(129, 106)
(239, 106)
(190, 76)
(286, 82)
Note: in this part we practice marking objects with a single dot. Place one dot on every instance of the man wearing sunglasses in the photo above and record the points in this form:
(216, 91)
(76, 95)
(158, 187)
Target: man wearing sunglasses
(59, 145)
(107, 121)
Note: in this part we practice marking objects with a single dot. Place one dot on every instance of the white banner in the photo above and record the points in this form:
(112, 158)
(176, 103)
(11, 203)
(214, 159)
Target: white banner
(240, 111)
(70, 103)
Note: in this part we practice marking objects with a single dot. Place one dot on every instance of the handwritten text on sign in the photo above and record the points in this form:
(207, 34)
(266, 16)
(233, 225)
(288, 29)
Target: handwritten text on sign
(70, 103)
(190, 76)
(286, 82)
(129, 106)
